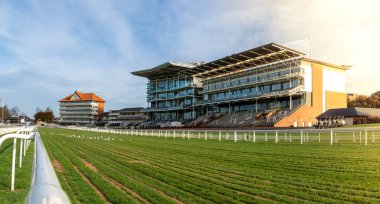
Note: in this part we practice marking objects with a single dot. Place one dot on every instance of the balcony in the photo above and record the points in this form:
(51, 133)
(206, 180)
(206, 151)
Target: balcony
(262, 81)
(259, 95)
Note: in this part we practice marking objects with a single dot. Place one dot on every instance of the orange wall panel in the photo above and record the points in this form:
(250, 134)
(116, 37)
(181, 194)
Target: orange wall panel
(335, 100)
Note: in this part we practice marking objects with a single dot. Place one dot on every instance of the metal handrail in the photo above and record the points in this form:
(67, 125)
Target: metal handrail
(45, 186)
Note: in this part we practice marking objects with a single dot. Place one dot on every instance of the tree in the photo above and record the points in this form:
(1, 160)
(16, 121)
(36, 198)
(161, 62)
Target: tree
(6, 112)
(372, 101)
(45, 116)
(15, 111)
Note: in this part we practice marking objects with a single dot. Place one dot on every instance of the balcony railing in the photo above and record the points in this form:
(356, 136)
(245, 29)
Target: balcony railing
(256, 95)
(262, 81)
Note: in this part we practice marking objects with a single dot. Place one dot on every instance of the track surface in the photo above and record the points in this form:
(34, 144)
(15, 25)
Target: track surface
(108, 168)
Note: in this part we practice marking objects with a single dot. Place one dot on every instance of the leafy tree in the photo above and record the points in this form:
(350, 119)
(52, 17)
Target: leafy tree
(6, 112)
(45, 116)
(372, 101)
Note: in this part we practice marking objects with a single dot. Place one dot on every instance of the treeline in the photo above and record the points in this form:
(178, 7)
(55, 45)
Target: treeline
(372, 101)
(44, 116)
(8, 113)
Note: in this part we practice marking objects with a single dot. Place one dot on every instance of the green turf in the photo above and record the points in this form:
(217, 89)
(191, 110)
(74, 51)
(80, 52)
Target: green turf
(129, 169)
(23, 175)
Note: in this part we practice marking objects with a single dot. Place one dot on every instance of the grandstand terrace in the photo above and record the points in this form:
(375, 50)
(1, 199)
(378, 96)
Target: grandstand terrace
(271, 85)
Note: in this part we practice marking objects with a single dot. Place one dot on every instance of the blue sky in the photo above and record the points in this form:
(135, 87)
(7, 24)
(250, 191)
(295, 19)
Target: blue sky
(49, 49)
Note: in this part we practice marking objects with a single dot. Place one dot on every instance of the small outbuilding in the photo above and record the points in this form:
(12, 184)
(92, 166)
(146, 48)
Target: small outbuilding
(352, 116)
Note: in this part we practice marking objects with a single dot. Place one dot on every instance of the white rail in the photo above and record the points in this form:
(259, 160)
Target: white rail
(45, 186)
(359, 135)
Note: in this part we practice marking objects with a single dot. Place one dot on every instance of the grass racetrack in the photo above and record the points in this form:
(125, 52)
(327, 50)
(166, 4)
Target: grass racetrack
(108, 168)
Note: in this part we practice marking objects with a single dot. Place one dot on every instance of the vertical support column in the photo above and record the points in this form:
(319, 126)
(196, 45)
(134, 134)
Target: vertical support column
(290, 102)
(13, 164)
(256, 102)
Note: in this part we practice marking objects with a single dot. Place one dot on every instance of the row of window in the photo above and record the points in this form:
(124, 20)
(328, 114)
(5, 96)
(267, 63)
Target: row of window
(260, 106)
(174, 103)
(174, 94)
(169, 84)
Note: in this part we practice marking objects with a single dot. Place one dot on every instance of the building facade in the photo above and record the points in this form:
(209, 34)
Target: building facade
(126, 117)
(80, 108)
(271, 85)
(170, 93)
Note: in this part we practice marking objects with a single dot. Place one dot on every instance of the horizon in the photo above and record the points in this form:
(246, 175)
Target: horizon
(50, 49)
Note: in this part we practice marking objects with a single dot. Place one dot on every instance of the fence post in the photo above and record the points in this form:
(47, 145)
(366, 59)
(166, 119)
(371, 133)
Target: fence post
(331, 137)
(353, 137)
(285, 136)
(13, 164)
(276, 137)
(373, 136)
(336, 138)
(290, 137)
(301, 136)
(220, 135)
(206, 135)
(307, 137)
(266, 137)
(365, 137)
(235, 136)
(25, 141)
(21, 144)
(188, 135)
(319, 137)
(254, 136)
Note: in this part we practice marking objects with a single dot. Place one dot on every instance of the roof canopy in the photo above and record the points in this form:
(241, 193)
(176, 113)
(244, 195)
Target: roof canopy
(166, 69)
(79, 96)
(266, 54)
(351, 112)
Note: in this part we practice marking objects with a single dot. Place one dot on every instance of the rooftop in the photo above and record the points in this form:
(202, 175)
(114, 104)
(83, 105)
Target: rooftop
(168, 68)
(79, 96)
(351, 112)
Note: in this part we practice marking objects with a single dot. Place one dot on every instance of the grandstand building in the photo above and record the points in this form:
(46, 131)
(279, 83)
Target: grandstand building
(80, 108)
(126, 117)
(271, 85)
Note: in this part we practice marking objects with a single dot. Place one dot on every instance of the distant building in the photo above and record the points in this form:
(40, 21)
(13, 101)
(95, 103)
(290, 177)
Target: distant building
(126, 117)
(80, 108)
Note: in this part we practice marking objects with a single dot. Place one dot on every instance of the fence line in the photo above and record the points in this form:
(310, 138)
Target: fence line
(45, 186)
(303, 136)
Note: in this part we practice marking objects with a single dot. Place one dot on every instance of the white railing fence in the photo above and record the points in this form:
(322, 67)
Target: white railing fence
(301, 136)
(45, 186)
